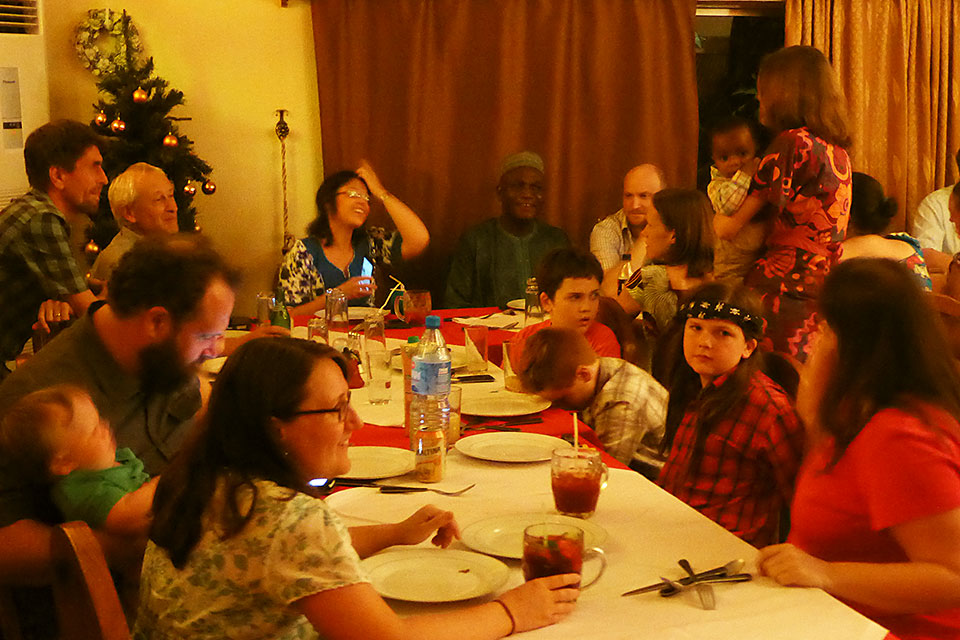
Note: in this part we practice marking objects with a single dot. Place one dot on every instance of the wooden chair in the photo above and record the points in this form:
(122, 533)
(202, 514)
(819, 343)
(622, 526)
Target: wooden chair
(613, 316)
(88, 607)
(949, 310)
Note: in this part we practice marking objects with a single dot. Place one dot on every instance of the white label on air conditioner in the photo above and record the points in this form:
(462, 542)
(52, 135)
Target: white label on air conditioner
(11, 120)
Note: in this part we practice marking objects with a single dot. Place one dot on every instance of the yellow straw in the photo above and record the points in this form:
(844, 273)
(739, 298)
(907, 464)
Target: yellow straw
(388, 296)
(397, 281)
(576, 432)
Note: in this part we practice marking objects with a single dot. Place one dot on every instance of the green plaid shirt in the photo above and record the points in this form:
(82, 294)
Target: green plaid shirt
(36, 264)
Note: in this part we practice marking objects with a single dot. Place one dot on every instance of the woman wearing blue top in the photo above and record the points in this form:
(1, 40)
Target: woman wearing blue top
(332, 255)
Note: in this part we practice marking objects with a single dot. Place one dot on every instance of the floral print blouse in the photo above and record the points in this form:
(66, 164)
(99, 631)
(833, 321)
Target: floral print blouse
(245, 586)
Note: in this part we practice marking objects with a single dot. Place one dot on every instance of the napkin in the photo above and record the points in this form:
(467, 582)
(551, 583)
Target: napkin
(496, 321)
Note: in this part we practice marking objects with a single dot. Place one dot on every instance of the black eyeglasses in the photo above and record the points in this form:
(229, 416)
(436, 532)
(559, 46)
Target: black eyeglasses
(341, 410)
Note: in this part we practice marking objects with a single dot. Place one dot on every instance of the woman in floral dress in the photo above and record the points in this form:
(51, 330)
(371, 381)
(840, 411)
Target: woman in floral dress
(804, 177)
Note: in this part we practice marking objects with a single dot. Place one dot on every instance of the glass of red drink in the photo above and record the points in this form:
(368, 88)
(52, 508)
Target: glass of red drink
(554, 548)
(577, 475)
(413, 307)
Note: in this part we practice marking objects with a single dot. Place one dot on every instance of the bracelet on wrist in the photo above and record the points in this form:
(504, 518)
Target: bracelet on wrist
(513, 621)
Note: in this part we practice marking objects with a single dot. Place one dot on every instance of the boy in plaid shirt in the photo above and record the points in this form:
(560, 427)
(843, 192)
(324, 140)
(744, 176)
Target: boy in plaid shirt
(735, 443)
(621, 402)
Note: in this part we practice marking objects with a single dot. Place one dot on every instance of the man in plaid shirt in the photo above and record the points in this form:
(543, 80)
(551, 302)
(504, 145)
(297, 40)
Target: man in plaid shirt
(40, 280)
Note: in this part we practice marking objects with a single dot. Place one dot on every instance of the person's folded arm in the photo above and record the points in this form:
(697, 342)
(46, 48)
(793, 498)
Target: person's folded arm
(929, 581)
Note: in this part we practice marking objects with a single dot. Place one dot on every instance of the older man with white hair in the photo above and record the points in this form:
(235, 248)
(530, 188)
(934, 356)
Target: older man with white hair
(142, 202)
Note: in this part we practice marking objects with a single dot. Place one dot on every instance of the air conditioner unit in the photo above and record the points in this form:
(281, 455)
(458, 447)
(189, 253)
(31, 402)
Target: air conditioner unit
(24, 94)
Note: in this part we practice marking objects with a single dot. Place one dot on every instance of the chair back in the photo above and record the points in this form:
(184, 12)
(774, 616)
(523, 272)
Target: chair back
(88, 606)
(616, 319)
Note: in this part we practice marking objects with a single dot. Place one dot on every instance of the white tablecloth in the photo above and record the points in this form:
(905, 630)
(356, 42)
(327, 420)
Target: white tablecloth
(649, 530)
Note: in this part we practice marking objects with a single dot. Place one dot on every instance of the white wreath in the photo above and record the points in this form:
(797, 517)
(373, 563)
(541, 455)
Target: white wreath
(98, 22)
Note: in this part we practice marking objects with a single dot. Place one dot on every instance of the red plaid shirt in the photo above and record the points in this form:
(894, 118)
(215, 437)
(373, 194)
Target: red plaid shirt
(750, 461)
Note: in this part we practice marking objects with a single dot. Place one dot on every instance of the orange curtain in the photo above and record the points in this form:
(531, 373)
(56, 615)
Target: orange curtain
(436, 93)
(900, 69)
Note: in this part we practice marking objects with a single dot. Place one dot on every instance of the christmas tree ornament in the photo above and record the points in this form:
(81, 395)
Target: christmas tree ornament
(208, 187)
(189, 190)
(170, 140)
(140, 96)
(92, 249)
(100, 119)
(118, 126)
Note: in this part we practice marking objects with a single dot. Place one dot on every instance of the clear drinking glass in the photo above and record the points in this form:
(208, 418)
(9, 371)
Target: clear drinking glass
(266, 302)
(317, 330)
(379, 373)
(338, 318)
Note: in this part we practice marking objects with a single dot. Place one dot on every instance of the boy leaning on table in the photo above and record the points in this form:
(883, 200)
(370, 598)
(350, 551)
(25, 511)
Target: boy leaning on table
(622, 403)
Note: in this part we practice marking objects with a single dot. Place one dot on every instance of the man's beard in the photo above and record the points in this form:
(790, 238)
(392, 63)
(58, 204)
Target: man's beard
(162, 369)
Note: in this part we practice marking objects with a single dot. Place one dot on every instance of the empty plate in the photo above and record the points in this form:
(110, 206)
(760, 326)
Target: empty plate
(510, 447)
(434, 575)
(519, 304)
(502, 404)
(503, 535)
(379, 462)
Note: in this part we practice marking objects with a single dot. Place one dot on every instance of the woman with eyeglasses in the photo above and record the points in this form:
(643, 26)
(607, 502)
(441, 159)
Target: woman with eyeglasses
(339, 243)
(241, 547)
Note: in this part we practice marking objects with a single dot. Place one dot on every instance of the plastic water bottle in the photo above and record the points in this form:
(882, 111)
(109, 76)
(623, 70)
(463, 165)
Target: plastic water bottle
(430, 408)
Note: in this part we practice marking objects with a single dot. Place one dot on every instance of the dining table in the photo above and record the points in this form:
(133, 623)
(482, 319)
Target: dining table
(643, 531)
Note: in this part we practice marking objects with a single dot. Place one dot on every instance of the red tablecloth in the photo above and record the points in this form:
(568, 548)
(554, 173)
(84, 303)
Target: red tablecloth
(452, 331)
(556, 422)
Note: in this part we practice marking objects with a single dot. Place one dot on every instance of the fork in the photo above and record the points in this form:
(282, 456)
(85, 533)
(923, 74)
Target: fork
(386, 488)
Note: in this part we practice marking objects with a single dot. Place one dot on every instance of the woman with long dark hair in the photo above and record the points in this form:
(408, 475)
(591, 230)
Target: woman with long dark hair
(338, 242)
(876, 514)
(679, 242)
(240, 546)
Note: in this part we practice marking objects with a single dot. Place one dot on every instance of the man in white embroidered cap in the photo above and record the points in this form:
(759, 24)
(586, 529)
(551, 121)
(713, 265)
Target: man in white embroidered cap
(493, 259)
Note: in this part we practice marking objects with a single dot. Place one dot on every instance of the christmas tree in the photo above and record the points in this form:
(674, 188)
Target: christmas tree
(134, 117)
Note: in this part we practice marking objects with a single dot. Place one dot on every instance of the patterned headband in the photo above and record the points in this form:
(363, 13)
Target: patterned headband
(722, 311)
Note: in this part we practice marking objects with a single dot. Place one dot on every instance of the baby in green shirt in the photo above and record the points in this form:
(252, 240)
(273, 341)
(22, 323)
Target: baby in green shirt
(56, 437)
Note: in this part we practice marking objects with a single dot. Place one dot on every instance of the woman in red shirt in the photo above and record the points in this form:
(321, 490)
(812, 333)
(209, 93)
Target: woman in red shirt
(876, 513)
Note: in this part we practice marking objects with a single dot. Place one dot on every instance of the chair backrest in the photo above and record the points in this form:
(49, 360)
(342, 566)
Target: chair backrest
(88, 607)
(613, 316)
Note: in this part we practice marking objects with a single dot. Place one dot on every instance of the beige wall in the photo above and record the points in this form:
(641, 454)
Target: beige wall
(236, 61)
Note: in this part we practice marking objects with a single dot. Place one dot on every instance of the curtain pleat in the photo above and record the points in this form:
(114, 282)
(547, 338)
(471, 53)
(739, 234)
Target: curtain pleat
(898, 64)
(435, 93)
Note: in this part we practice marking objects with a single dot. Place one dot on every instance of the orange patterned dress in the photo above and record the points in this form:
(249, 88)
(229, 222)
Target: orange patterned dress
(807, 182)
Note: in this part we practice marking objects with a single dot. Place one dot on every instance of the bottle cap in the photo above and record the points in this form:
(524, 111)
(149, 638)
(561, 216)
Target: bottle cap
(432, 322)
(413, 339)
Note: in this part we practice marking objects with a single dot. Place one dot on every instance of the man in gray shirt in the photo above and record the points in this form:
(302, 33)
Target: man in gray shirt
(169, 302)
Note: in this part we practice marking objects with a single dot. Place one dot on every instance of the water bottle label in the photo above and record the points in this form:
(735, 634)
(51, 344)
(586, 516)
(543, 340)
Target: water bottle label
(430, 378)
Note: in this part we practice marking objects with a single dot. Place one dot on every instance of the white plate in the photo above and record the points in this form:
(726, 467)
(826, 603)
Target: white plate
(510, 447)
(379, 462)
(503, 535)
(503, 404)
(361, 313)
(434, 575)
(519, 304)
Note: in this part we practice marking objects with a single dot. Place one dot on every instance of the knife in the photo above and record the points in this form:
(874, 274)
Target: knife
(719, 572)
(704, 591)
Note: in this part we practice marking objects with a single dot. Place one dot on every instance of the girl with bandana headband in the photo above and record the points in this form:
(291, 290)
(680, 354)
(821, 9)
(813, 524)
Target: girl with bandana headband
(733, 441)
